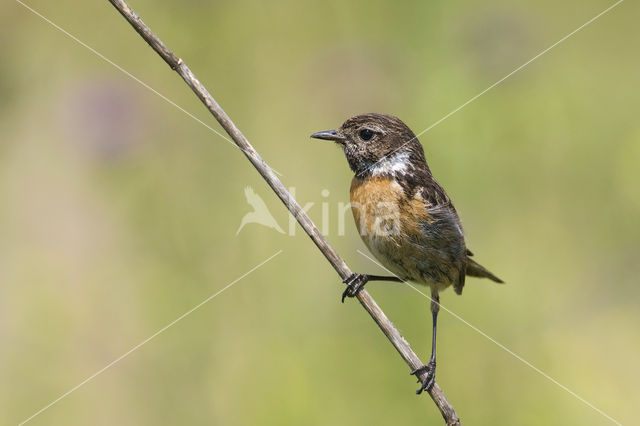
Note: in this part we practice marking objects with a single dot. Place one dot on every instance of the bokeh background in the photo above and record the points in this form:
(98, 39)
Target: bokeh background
(119, 212)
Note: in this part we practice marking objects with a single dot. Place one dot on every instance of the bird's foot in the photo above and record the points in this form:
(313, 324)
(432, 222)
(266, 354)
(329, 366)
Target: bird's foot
(428, 382)
(354, 283)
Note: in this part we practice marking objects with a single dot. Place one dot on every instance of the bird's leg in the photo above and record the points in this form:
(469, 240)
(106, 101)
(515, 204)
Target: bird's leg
(430, 368)
(355, 282)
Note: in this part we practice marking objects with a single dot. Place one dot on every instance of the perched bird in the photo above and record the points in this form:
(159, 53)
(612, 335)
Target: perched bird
(402, 213)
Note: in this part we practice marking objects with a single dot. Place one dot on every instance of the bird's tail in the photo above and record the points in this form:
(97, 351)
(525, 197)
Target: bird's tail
(474, 269)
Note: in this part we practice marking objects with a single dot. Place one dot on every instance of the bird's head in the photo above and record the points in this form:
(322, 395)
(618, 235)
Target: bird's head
(376, 144)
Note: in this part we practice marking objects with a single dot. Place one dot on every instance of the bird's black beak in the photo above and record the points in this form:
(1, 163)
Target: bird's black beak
(330, 135)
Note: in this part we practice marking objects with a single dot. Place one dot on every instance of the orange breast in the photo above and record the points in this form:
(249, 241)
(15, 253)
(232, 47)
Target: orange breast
(373, 201)
(378, 201)
(392, 226)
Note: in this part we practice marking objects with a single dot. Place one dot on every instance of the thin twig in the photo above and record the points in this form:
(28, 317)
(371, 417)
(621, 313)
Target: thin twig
(394, 336)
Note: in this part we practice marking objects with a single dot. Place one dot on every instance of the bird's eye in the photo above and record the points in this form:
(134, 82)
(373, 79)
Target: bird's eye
(366, 134)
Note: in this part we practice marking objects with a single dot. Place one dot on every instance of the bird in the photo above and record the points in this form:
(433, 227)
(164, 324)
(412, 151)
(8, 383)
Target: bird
(403, 215)
(260, 213)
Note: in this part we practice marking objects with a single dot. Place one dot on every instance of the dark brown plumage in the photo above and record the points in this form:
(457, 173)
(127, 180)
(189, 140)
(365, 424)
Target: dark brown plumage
(402, 213)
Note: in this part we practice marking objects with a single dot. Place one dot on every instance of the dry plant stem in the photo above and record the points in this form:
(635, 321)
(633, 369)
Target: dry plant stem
(394, 336)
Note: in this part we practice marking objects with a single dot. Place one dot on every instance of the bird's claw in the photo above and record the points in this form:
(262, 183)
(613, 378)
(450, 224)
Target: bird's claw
(354, 283)
(428, 382)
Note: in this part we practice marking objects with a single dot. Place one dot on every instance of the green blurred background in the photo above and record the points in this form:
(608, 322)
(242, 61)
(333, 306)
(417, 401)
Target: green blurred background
(119, 212)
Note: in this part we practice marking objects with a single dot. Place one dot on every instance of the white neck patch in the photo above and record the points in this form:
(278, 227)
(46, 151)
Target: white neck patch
(396, 163)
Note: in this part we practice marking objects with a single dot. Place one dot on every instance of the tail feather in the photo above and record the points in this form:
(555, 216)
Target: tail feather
(474, 269)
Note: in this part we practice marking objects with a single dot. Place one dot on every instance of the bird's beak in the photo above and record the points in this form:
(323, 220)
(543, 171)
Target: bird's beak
(330, 135)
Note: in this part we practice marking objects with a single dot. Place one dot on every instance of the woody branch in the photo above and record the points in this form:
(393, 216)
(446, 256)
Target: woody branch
(367, 302)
